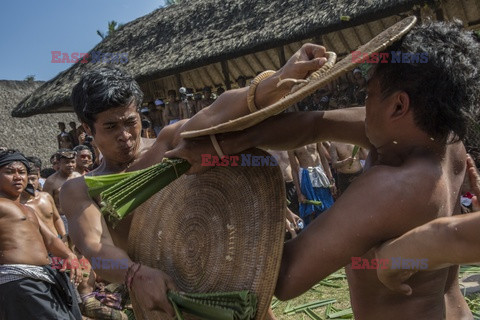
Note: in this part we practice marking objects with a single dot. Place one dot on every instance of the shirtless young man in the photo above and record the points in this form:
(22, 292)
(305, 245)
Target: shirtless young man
(83, 159)
(313, 180)
(348, 168)
(206, 100)
(29, 287)
(172, 108)
(107, 102)
(414, 174)
(44, 206)
(66, 171)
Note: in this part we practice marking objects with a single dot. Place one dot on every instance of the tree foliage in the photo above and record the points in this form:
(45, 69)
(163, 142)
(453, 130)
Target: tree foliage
(112, 28)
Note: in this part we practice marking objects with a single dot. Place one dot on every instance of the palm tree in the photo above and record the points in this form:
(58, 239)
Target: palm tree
(112, 27)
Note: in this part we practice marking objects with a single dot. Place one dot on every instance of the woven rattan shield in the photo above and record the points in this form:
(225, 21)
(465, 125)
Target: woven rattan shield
(378, 43)
(219, 231)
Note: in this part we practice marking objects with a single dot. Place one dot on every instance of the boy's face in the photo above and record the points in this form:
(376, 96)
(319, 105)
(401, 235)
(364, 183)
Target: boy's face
(84, 158)
(33, 180)
(13, 179)
(67, 166)
(117, 133)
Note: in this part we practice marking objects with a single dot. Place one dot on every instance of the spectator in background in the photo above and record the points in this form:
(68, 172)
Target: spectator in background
(360, 87)
(29, 287)
(207, 99)
(73, 133)
(147, 128)
(172, 110)
(64, 139)
(37, 163)
(43, 205)
(54, 162)
(313, 180)
(346, 164)
(156, 115)
(241, 81)
(66, 171)
(84, 159)
(187, 105)
(220, 90)
(96, 155)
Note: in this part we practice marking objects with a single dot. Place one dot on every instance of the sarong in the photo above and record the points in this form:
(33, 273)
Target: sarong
(36, 292)
(315, 186)
(345, 179)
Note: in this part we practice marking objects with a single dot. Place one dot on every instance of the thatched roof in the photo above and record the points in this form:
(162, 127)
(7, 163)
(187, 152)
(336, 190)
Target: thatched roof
(185, 44)
(35, 136)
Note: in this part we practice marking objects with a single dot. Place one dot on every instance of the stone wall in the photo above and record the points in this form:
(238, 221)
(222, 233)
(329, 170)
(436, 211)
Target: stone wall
(33, 136)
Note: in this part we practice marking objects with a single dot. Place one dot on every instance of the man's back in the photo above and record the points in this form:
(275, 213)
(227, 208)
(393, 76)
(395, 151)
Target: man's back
(436, 195)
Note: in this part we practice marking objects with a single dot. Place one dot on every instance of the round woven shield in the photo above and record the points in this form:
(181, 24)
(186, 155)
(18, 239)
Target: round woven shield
(219, 231)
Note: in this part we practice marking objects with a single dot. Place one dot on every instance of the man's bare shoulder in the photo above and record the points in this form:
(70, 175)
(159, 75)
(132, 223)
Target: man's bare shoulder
(51, 180)
(44, 196)
(74, 187)
(6, 204)
(75, 174)
(9, 208)
(394, 199)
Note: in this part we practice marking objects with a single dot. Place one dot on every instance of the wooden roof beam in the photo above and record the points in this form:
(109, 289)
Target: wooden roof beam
(226, 74)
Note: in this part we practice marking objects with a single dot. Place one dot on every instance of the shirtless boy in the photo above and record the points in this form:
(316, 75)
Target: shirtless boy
(313, 180)
(29, 287)
(44, 206)
(347, 168)
(66, 171)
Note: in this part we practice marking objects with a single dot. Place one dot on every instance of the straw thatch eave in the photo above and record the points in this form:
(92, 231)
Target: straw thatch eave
(178, 39)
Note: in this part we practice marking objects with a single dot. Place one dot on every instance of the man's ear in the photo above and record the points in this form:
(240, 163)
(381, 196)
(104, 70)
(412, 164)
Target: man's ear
(87, 129)
(401, 105)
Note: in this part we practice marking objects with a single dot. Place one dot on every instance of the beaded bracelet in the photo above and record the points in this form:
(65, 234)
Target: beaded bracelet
(253, 87)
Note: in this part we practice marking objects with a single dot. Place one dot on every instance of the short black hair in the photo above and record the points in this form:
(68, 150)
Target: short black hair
(65, 153)
(445, 90)
(81, 147)
(36, 162)
(102, 89)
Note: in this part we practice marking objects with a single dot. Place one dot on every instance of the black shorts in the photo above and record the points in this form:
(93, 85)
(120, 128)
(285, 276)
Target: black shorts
(32, 299)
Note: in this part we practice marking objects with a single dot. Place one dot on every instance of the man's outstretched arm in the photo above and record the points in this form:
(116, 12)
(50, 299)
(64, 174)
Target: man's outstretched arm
(282, 132)
(364, 221)
(90, 234)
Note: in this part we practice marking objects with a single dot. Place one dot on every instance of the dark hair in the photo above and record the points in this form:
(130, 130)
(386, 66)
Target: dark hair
(47, 172)
(65, 153)
(102, 89)
(36, 162)
(444, 91)
(81, 147)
